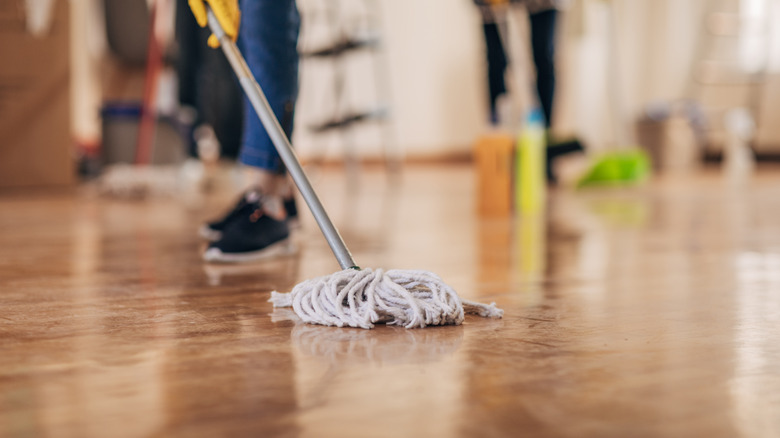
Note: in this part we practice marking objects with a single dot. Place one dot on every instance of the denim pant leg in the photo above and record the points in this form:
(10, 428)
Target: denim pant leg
(268, 38)
(543, 48)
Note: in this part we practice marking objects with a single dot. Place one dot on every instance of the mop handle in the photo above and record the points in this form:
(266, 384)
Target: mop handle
(282, 143)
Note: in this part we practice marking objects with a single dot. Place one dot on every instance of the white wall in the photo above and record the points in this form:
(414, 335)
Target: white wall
(435, 54)
(653, 48)
(435, 67)
(435, 49)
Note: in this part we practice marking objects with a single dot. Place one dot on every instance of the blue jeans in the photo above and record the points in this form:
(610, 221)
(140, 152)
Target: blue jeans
(268, 38)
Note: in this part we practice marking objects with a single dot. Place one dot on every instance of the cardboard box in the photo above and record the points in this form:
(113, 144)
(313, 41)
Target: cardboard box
(35, 137)
(493, 156)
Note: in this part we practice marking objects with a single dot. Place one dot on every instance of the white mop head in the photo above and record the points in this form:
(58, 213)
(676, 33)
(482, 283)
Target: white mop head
(362, 298)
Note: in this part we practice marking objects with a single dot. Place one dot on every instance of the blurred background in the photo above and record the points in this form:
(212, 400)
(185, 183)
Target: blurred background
(385, 80)
(643, 311)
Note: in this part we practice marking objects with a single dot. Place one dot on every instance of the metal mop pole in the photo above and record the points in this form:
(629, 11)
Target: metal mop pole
(282, 143)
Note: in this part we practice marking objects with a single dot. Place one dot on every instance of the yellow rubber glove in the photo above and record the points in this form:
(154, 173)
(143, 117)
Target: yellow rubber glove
(227, 14)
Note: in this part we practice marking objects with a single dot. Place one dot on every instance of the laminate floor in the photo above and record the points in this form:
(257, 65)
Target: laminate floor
(629, 313)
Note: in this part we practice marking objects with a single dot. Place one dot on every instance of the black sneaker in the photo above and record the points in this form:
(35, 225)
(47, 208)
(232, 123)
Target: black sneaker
(212, 231)
(291, 209)
(558, 149)
(252, 234)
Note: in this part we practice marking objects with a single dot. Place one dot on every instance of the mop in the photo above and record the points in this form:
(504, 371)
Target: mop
(142, 178)
(353, 297)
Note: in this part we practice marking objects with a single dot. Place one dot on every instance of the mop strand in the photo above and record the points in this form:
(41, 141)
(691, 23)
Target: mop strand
(362, 298)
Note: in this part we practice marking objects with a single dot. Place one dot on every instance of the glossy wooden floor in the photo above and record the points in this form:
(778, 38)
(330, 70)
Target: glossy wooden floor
(629, 313)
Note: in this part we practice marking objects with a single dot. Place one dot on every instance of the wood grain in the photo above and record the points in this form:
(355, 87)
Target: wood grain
(643, 312)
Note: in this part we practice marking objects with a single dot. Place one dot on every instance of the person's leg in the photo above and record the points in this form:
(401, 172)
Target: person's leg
(207, 85)
(269, 38)
(189, 63)
(496, 66)
(543, 48)
(221, 101)
(256, 228)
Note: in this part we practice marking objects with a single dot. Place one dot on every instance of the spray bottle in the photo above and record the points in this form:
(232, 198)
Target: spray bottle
(530, 183)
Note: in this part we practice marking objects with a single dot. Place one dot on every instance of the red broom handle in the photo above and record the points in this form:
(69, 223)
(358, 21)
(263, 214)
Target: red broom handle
(146, 127)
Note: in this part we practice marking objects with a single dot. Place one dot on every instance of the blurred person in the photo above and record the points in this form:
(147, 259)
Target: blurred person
(542, 16)
(258, 226)
(543, 19)
(207, 86)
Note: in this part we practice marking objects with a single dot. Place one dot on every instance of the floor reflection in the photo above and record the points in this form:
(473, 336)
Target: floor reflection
(389, 345)
(756, 383)
(648, 312)
(377, 379)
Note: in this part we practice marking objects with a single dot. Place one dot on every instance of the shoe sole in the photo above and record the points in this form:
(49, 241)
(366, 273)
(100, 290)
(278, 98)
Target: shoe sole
(213, 235)
(279, 249)
(209, 234)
